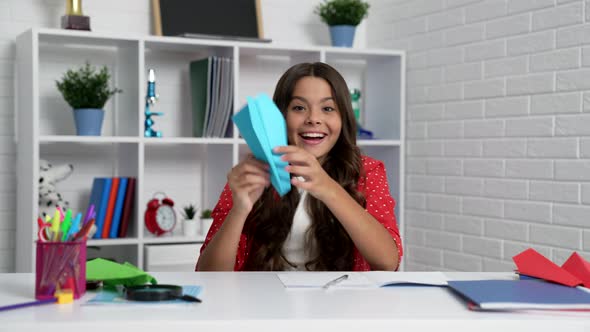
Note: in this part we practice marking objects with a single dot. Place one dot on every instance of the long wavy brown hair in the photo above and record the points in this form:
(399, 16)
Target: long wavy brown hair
(269, 223)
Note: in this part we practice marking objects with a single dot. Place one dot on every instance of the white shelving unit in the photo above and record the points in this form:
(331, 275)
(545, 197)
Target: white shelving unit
(187, 169)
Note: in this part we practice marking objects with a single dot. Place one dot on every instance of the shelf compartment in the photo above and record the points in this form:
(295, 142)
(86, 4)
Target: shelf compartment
(119, 253)
(112, 242)
(87, 139)
(57, 54)
(379, 77)
(260, 69)
(171, 62)
(91, 160)
(171, 257)
(187, 174)
(187, 140)
(165, 239)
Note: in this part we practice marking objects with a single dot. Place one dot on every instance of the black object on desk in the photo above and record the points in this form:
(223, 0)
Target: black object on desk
(154, 293)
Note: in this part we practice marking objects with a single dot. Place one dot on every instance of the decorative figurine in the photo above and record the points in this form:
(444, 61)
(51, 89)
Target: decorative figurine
(150, 100)
(74, 19)
(355, 96)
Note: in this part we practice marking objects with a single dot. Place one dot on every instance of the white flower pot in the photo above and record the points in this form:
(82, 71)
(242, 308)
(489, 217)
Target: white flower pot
(205, 225)
(189, 227)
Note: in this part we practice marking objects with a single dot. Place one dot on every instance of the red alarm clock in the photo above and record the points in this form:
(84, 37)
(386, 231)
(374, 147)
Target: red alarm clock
(160, 216)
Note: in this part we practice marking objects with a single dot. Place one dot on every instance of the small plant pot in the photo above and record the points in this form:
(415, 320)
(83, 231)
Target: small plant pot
(342, 35)
(190, 227)
(205, 225)
(88, 121)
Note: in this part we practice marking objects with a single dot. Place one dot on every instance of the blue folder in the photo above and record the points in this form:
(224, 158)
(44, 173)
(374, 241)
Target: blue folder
(114, 231)
(103, 186)
(521, 294)
(263, 127)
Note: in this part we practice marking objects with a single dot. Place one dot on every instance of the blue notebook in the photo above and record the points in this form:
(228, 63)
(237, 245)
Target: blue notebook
(114, 231)
(102, 207)
(263, 127)
(521, 294)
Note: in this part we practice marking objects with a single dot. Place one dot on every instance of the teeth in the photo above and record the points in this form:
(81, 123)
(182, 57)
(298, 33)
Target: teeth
(313, 135)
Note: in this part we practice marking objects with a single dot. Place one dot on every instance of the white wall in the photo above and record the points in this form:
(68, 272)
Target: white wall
(498, 126)
(285, 21)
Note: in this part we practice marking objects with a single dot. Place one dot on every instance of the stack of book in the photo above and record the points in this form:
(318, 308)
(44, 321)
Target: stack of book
(212, 81)
(113, 200)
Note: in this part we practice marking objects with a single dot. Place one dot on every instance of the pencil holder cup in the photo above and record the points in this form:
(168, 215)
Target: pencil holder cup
(60, 265)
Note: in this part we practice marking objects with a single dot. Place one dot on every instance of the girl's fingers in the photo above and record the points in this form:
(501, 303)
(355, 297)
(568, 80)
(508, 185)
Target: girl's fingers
(256, 162)
(285, 149)
(252, 169)
(301, 183)
(252, 187)
(248, 168)
(298, 170)
(299, 158)
(251, 178)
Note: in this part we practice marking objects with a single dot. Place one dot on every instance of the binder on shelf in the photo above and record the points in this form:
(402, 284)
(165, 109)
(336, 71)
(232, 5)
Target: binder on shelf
(102, 207)
(215, 91)
(96, 194)
(227, 98)
(200, 76)
(118, 208)
(127, 208)
(211, 95)
(108, 219)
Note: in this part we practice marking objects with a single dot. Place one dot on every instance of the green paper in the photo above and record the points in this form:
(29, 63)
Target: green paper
(111, 273)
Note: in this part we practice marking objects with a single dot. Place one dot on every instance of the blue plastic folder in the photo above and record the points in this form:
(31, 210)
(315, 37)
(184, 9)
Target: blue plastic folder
(521, 295)
(263, 127)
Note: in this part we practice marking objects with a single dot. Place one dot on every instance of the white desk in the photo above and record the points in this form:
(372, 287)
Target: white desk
(259, 302)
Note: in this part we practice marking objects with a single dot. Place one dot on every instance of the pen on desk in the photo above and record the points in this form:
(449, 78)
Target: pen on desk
(28, 304)
(335, 281)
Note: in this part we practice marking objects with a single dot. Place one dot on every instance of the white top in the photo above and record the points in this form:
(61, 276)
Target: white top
(294, 247)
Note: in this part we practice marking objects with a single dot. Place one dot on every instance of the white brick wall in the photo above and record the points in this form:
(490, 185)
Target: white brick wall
(498, 111)
(285, 21)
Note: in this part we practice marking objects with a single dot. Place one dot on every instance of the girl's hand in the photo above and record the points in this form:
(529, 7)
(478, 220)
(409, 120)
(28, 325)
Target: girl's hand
(247, 181)
(304, 165)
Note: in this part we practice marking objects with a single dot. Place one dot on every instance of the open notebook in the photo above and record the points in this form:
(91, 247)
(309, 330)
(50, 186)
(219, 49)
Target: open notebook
(371, 279)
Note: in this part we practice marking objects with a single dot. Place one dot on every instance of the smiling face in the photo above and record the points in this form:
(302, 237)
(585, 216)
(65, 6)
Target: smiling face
(313, 119)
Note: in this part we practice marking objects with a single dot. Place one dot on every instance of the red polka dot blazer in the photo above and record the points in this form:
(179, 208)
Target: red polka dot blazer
(380, 205)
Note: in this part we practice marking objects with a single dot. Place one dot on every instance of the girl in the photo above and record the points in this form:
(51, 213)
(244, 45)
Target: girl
(340, 217)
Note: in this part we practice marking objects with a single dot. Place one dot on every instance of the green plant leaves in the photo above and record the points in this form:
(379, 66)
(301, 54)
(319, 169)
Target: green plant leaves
(206, 213)
(189, 212)
(342, 12)
(86, 88)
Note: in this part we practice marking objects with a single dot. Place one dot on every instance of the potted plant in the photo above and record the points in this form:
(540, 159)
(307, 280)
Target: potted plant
(189, 224)
(206, 221)
(87, 91)
(342, 16)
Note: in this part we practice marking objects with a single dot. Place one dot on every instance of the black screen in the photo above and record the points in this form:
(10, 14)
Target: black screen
(211, 17)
